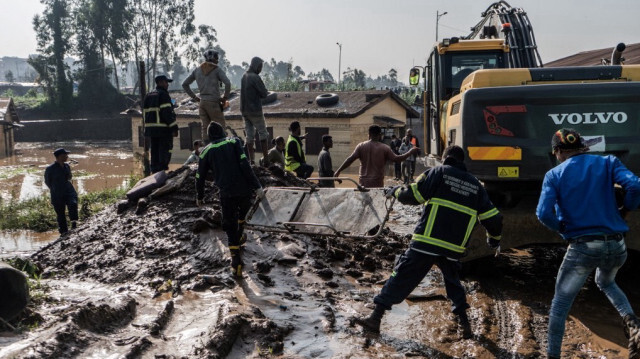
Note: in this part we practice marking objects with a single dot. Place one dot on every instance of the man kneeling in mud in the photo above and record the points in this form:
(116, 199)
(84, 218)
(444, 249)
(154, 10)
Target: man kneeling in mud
(454, 201)
(234, 177)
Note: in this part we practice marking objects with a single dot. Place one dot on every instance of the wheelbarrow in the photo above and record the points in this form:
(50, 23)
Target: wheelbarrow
(359, 212)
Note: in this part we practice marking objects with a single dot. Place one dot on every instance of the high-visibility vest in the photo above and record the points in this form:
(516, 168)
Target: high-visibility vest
(290, 164)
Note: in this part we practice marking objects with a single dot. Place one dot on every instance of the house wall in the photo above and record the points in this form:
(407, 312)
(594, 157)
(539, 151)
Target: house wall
(346, 132)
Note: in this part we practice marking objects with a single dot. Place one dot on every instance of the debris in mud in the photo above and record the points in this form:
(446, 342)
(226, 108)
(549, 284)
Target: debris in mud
(168, 293)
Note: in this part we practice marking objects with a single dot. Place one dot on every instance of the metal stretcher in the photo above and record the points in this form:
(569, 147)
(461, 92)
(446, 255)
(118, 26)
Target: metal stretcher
(341, 212)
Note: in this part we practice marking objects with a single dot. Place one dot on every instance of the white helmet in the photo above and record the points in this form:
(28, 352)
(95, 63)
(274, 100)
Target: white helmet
(211, 55)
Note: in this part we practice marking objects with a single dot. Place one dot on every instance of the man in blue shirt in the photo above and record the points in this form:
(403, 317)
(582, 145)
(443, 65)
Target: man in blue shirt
(578, 201)
(57, 177)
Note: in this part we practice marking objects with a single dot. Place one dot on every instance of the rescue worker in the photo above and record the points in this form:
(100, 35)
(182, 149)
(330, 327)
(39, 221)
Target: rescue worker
(252, 92)
(453, 201)
(236, 182)
(57, 177)
(294, 155)
(578, 201)
(159, 124)
(208, 76)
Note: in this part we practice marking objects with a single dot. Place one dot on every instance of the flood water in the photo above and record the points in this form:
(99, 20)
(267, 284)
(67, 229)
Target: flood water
(95, 166)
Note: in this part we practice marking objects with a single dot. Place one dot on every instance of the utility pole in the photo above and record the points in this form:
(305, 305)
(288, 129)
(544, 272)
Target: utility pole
(339, 64)
(438, 16)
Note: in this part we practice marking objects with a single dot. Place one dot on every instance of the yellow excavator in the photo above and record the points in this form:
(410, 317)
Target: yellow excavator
(488, 93)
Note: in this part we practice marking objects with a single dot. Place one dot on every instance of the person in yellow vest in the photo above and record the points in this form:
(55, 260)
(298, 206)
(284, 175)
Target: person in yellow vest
(294, 155)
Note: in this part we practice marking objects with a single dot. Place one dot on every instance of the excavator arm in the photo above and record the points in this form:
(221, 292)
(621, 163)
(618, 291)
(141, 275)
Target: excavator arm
(500, 20)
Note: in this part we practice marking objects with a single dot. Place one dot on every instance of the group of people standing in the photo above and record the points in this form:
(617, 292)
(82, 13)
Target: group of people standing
(404, 171)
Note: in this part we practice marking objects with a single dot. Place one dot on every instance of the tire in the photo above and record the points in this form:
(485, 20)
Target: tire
(327, 99)
(271, 97)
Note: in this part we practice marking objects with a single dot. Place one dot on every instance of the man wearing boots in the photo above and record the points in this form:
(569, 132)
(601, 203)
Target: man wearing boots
(233, 175)
(578, 201)
(454, 200)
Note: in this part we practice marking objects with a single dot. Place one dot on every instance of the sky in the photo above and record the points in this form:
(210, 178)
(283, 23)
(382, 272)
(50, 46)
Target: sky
(376, 35)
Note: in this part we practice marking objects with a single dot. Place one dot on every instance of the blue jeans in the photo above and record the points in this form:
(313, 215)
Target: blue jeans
(580, 261)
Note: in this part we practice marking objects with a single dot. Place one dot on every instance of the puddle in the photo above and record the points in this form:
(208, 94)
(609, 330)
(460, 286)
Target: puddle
(95, 166)
(14, 243)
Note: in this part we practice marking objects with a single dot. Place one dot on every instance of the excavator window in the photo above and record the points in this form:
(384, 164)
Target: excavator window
(459, 65)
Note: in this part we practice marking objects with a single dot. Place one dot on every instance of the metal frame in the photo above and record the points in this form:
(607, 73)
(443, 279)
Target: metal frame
(303, 227)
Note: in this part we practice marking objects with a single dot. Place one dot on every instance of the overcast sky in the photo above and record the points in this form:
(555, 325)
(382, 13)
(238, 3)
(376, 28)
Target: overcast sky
(375, 35)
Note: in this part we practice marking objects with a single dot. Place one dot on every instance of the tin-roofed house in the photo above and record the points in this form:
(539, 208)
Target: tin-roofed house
(8, 121)
(346, 116)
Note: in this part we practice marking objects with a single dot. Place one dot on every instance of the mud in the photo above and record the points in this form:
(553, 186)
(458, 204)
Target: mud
(153, 282)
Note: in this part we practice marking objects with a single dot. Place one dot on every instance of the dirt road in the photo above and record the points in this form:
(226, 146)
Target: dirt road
(131, 285)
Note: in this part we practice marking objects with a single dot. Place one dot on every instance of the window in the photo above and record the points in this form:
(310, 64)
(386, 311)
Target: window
(189, 134)
(314, 139)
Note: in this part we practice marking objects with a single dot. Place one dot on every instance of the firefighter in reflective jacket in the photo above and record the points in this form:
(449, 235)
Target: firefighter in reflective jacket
(236, 182)
(160, 124)
(454, 200)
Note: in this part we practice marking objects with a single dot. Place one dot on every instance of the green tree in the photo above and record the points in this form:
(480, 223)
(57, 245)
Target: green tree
(354, 79)
(160, 27)
(53, 34)
(8, 76)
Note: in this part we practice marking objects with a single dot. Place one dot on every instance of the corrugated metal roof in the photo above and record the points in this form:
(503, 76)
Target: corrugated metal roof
(303, 104)
(594, 57)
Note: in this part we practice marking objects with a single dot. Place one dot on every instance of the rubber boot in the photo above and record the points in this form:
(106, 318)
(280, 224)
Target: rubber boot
(632, 331)
(74, 225)
(464, 326)
(552, 357)
(236, 263)
(372, 322)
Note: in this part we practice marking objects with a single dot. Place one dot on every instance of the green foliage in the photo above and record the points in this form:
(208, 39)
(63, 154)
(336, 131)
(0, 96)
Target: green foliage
(9, 93)
(8, 76)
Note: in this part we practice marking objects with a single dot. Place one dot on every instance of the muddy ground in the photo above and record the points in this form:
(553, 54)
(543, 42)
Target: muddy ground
(131, 284)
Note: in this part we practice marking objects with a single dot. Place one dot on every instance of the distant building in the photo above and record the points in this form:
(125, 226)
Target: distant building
(8, 121)
(347, 121)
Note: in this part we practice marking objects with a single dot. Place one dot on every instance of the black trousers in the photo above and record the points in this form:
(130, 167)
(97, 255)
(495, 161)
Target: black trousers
(397, 168)
(160, 149)
(234, 209)
(59, 205)
(409, 271)
(304, 171)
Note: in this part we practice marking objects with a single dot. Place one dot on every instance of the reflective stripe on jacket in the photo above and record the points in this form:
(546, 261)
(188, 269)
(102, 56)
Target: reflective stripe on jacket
(293, 158)
(454, 200)
(159, 117)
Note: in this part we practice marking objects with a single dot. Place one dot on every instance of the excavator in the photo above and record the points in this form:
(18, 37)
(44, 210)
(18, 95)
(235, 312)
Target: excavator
(489, 93)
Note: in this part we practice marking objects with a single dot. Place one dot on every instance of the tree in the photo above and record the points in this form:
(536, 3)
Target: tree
(353, 79)
(393, 77)
(8, 76)
(53, 33)
(161, 26)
